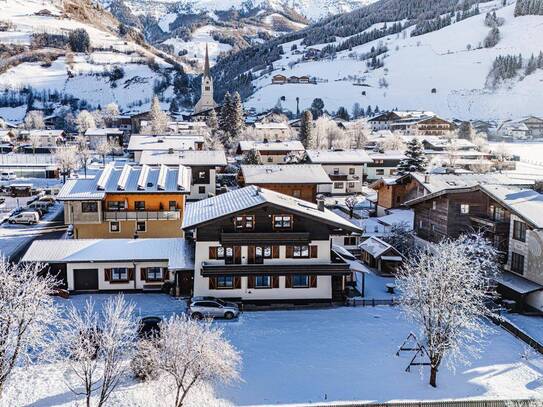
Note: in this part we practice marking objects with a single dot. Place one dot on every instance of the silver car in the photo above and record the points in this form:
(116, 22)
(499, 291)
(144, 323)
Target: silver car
(209, 307)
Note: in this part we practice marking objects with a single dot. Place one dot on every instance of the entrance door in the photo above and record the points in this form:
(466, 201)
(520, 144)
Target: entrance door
(86, 279)
(338, 294)
(186, 283)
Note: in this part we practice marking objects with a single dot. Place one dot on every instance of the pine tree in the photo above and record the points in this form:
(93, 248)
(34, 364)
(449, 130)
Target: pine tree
(317, 108)
(225, 113)
(357, 111)
(252, 157)
(531, 66)
(342, 113)
(415, 161)
(369, 112)
(212, 121)
(238, 117)
(306, 129)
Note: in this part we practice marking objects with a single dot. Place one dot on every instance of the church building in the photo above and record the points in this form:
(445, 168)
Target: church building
(206, 101)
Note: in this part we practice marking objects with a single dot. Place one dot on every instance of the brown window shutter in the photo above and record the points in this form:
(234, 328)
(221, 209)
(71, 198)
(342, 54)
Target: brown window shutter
(313, 252)
(237, 282)
(237, 254)
(251, 282)
(143, 273)
(212, 283)
(166, 274)
(290, 252)
(312, 281)
(275, 281)
(212, 253)
(107, 274)
(275, 252)
(131, 274)
(288, 281)
(251, 254)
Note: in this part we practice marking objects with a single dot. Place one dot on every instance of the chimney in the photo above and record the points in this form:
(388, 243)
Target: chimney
(538, 186)
(170, 150)
(320, 205)
(427, 178)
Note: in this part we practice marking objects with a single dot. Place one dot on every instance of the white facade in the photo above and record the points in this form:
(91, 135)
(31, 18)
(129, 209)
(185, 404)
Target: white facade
(323, 290)
(354, 174)
(202, 191)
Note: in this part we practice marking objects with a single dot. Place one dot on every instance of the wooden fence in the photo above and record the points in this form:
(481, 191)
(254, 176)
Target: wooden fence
(518, 333)
(354, 302)
(448, 403)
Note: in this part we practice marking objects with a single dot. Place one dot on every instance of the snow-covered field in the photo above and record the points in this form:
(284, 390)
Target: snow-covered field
(305, 356)
(414, 66)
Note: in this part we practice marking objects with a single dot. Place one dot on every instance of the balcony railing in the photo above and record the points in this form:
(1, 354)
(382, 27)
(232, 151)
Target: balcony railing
(142, 215)
(253, 238)
(320, 269)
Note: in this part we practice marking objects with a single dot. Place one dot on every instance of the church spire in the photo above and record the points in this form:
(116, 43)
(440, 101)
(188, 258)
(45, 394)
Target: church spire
(206, 65)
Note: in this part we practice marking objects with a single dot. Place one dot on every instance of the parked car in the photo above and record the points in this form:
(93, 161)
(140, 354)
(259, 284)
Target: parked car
(149, 326)
(210, 307)
(50, 199)
(28, 218)
(7, 175)
(39, 206)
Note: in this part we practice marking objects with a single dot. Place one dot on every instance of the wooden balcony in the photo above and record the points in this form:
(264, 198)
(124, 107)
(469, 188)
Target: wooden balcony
(491, 225)
(314, 269)
(269, 238)
(142, 215)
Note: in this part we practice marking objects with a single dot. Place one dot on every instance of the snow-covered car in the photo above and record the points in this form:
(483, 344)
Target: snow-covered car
(29, 218)
(210, 307)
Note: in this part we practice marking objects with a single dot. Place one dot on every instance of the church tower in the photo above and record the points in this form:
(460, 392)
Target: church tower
(206, 101)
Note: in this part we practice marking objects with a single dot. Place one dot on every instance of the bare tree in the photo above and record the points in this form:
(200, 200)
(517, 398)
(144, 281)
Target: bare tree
(94, 347)
(26, 311)
(35, 140)
(67, 160)
(188, 353)
(84, 121)
(158, 119)
(359, 132)
(106, 147)
(452, 153)
(394, 143)
(401, 237)
(445, 292)
(351, 201)
(112, 110)
(34, 120)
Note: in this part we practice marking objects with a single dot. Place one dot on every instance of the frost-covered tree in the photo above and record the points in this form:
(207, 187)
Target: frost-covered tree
(252, 157)
(158, 120)
(359, 132)
(492, 38)
(306, 129)
(26, 312)
(189, 353)
(35, 140)
(237, 120)
(415, 160)
(444, 292)
(94, 347)
(84, 121)
(393, 142)
(106, 147)
(34, 120)
(452, 153)
(350, 203)
(110, 112)
(212, 120)
(401, 237)
(67, 160)
(83, 152)
(226, 110)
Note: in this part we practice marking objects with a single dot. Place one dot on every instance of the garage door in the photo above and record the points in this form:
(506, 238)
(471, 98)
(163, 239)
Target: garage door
(86, 279)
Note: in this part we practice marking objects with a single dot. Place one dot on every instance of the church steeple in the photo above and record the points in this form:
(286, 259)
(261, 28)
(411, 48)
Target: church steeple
(206, 65)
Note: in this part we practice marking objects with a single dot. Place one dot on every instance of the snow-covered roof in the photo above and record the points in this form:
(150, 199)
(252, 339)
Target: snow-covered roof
(339, 156)
(292, 145)
(214, 158)
(440, 142)
(285, 174)
(517, 283)
(128, 179)
(242, 199)
(103, 132)
(152, 142)
(375, 246)
(387, 155)
(43, 133)
(176, 251)
(268, 126)
(526, 203)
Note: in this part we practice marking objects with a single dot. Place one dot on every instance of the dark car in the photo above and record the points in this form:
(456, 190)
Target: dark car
(149, 327)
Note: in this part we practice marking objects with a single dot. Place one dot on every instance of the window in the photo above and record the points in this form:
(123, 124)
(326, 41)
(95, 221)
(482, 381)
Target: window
(338, 185)
(519, 231)
(262, 282)
(351, 184)
(114, 227)
(261, 253)
(244, 222)
(270, 159)
(172, 205)
(300, 280)
(225, 282)
(282, 221)
(220, 252)
(336, 171)
(207, 88)
(141, 226)
(119, 274)
(139, 205)
(464, 209)
(349, 241)
(517, 263)
(499, 214)
(201, 174)
(201, 189)
(116, 206)
(380, 171)
(434, 205)
(296, 193)
(351, 171)
(89, 207)
(300, 251)
(229, 255)
(154, 274)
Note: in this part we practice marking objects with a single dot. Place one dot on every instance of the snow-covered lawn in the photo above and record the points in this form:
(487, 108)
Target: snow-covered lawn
(307, 356)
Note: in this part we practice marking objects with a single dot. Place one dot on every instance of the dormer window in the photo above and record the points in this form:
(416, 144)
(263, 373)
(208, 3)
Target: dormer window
(245, 222)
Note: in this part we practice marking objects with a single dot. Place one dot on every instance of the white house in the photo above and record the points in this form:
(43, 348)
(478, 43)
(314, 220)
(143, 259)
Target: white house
(97, 136)
(140, 143)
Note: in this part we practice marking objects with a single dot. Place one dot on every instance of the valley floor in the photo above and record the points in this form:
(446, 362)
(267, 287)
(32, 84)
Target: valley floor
(313, 356)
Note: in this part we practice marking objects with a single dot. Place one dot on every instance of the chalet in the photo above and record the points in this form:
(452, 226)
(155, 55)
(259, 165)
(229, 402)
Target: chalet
(140, 143)
(96, 136)
(431, 126)
(346, 169)
(384, 121)
(293, 79)
(279, 79)
(127, 202)
(202, 163)
(535, 126)
(46, 141)
(384, 164)
(380, 255)
(514, 130)
(298, 180)
(137, 118)
(304, 79)
(272, 131)
(122, 122)
(260, 246)
(271, 152)
(115, 264)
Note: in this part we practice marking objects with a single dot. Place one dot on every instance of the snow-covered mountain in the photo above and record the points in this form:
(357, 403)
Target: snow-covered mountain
(447, 70)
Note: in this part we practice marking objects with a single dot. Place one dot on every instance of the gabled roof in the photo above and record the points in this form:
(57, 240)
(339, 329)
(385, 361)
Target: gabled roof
(339, 156)
(176, 251)
(128, 179)
(387, 155)
(43, 133)
(285, 174)
(152, 142)
(104, 132)
(206, 210)
(376, 247)
(292, 145)
(212, 158)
